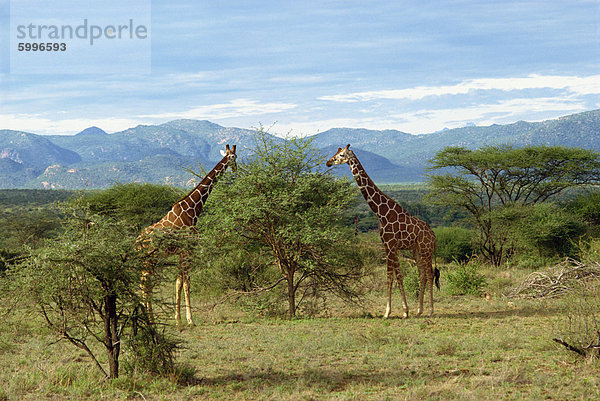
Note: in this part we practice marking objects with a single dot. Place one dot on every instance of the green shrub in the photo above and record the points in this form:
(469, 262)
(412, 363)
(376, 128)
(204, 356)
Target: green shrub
(532, 261)
(151, 351)
(270, 304)
(370, 249)
(587, 206)
(454, 243)
(410, 278)
(8, 258)
(243, 269)
(589, 251)
(543, 229)
(465, 279)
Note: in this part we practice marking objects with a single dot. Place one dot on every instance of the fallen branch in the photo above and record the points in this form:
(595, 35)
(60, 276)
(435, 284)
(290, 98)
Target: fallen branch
(570, 347)
(557, 281)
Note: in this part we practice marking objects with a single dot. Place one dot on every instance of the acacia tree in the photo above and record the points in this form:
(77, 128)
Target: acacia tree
(283, 205)
(487, 180)
(29, 228)
(134, 204)
(85, 283)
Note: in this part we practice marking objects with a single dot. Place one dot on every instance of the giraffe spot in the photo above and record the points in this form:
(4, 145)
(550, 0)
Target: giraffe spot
(387, 237)
(383, 209)
(392, 215)
(389, 231)
(371, 191)
(376, 198)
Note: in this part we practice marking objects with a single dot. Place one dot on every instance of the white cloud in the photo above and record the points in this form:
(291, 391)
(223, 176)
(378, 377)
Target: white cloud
(235, 108)
(300, 79)
(425, 121)
(310, 127)
(417, 117)
(504, 112)
(574, 84)
(41, 125)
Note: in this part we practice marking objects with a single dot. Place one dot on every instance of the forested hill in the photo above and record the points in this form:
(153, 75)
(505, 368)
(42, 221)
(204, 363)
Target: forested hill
(160, 153)
(576, 130)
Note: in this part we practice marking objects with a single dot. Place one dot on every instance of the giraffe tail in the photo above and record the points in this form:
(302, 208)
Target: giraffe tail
(436, 271)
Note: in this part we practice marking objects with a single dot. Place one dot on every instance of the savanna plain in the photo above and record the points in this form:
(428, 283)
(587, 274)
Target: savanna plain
(473, 348)
(481, 345)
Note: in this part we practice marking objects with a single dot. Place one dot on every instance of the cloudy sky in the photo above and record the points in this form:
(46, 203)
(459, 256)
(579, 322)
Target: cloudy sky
(307, 66)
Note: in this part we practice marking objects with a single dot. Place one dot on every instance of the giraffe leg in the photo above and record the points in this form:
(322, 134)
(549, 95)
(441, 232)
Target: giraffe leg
(430, 279)
(402, 292)
(178, 286)
(149, 311)
(427, 276)
(422, 284)
(390, 284)
(422, 281)
(430, 289)
(188, 304)
(184, 273)
(394, 269)
(145, 287)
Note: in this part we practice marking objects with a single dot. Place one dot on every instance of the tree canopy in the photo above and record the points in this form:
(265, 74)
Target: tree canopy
(484, 180)
(85, 283)
(134, 204)
(282, 205)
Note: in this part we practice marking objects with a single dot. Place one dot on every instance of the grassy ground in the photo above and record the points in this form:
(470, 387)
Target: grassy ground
(474, 348)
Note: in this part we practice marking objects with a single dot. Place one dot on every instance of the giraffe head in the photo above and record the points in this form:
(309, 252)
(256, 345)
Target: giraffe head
(230, 157)
(342, 156)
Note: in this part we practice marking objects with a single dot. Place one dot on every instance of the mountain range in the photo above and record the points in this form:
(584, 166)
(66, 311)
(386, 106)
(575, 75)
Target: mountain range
(164, 153)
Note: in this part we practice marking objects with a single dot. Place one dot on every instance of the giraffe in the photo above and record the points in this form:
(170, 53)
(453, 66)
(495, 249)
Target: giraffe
(398, 231)
(183, 215)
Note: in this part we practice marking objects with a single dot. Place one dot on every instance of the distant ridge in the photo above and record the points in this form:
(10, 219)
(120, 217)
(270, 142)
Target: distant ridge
(160, 153)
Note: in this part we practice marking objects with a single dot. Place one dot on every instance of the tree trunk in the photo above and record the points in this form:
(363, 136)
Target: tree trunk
(291, 297)
(113, 344)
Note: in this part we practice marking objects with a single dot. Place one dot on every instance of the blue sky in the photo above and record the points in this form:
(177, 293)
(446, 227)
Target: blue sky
(307, 66)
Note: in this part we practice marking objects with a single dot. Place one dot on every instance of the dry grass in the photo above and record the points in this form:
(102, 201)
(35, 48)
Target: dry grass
(473, 348)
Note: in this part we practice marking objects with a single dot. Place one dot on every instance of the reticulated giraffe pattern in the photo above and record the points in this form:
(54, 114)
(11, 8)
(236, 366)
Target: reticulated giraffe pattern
(183, 215)
(398, 231)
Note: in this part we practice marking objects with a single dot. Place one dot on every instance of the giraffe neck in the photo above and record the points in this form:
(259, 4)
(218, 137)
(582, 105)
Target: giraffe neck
(198, 196)
(185, 212)
(372, 194)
